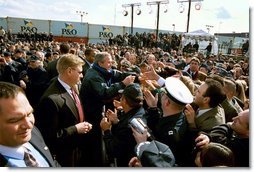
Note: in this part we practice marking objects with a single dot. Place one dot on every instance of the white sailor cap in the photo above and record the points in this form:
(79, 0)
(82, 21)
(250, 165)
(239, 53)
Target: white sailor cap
(177, 91)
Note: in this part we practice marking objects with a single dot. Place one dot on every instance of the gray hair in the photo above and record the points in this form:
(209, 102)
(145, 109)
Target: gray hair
(99, 57)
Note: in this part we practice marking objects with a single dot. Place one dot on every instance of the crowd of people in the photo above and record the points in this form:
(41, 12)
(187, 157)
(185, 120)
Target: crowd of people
(121, 105)
(165, 41)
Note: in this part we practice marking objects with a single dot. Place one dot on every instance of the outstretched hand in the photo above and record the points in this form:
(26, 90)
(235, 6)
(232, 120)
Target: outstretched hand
(150, 99)
(152, 75)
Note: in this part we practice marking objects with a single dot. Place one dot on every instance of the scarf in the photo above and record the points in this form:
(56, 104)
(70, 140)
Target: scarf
(107, 74)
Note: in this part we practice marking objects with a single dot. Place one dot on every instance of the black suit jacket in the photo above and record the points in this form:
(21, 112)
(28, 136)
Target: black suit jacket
(229, 109)
(39, 144)
(195, 76)
(56, 117)
(86, 66)
(51, 69)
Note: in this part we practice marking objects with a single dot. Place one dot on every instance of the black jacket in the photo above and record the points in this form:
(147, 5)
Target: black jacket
(56, 117)
(223, 134)
(98, 89)
(172, 131)
(120, 142)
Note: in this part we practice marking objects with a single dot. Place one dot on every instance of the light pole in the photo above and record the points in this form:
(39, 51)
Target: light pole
(158, 12)
(174, 27)
(81, 13)
(197, 7)
(132, 8)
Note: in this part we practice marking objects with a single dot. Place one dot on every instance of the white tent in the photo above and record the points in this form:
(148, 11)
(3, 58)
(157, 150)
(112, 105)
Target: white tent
(203, 39)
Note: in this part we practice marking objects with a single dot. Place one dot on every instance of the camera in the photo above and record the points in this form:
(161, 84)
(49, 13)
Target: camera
(138, 124)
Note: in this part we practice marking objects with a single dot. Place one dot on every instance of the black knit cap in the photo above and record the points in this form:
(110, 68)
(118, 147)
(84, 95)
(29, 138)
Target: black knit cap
(133, 92)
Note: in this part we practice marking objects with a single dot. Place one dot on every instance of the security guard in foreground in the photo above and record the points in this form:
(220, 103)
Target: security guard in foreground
(170, 126)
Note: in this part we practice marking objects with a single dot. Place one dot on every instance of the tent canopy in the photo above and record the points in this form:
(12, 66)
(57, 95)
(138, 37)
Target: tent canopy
(198, 33)
(203, 39)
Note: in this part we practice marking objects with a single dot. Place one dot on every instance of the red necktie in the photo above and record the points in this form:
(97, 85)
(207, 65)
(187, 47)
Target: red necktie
(78, 104)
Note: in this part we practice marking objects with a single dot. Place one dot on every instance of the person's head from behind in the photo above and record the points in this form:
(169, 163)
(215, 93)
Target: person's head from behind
(189, 83)
(64, 48)
(144, 67)
(132, 97)
(90, 53)
(230, 88)
(240, 90)
(215, 155)
(16, 116)
(241, 124)
(69, 67)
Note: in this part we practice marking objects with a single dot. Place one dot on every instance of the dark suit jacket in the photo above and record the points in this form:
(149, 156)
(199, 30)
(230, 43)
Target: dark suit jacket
(210, 119)
(86, 66)
(51, 69)
(224, 134)
(229, 109)
(195, 76)
(95, 93)
(38, 83)
(39, 144)
(56, 117)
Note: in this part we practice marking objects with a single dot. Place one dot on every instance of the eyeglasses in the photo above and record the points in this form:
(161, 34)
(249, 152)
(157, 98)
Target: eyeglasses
(79, 72)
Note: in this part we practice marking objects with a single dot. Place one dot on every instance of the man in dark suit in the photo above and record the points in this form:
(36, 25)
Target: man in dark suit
(17, 131)
(230, 106)
(38, 80)
(194, 68)
(10, 69)
(51, 68)
(234, 135)
(89, 59)
(208, 97)
(60, 115)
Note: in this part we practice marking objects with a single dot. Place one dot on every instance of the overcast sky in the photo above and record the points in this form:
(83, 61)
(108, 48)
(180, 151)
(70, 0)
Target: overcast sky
(224, 16)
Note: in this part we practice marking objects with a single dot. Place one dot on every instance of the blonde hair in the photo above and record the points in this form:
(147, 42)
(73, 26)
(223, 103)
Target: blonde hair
(68, 60)
(240, 93)
(189, 83)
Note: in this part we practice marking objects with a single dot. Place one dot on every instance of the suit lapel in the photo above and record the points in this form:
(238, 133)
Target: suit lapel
(39, 144)
(70, 104)
(207, 114)
(68, 100)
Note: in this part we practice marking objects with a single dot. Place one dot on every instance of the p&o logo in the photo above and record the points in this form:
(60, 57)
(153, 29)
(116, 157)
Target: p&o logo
(69, 29)
(106, 32)
(28, 27)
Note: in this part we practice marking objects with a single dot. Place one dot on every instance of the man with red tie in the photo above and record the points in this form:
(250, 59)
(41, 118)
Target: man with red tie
(60, 115)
